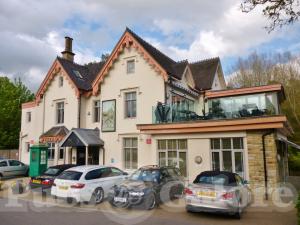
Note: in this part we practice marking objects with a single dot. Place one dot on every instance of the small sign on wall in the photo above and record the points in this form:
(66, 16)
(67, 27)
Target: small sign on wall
(148, 141)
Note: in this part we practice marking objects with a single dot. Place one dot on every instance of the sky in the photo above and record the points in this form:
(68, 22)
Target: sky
(32, 32)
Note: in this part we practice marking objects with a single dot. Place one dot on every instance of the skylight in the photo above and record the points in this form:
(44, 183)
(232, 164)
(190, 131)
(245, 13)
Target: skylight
(77, 74)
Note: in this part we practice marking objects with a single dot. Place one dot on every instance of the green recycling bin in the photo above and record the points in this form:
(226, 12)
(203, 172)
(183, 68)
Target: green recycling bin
(38, 159)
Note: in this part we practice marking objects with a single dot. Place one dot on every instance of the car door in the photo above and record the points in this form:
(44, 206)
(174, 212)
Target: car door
(4, 168)
(117, 176)
(107, 180)
(16, 168)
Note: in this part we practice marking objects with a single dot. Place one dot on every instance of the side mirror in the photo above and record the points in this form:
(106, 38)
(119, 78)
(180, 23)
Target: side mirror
(245, 182)
(125, 173)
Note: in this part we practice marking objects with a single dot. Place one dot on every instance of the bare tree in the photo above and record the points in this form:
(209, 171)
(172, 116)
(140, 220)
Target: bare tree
(279, 12)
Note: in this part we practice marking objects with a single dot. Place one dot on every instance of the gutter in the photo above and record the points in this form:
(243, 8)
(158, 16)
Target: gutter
(265, 162)
(79, 110)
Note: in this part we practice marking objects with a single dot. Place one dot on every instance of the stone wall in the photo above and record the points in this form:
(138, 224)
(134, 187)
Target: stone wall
(256, 160)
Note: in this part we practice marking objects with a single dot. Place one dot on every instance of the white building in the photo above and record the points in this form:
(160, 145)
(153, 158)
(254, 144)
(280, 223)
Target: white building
(141, 107)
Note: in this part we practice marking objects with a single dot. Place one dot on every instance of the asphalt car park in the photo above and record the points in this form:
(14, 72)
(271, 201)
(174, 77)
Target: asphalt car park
(34, 208)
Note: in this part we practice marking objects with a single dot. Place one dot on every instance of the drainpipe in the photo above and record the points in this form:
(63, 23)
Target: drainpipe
(265, 162)
(79, 110)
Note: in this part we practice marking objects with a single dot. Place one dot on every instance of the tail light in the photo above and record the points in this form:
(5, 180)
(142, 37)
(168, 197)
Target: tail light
(188, 191)
(46, 182)
(228, 195)
(78, 186)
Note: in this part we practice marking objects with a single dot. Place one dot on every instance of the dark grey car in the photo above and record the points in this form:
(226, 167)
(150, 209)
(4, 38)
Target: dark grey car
(11, 167)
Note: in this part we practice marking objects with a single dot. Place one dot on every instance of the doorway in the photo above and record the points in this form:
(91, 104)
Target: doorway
(80, 156)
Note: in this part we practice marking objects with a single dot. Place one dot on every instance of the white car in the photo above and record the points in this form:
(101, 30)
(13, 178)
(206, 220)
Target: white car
(88, 183)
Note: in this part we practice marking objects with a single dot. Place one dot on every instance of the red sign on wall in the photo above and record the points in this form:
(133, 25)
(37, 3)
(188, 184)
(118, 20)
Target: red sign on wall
(148, 141)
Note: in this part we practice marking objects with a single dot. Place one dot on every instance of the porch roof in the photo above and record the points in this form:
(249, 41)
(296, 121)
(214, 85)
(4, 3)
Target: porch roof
(82, 137)
(54, 134)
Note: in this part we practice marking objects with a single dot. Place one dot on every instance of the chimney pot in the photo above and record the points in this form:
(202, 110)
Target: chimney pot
(67, 53)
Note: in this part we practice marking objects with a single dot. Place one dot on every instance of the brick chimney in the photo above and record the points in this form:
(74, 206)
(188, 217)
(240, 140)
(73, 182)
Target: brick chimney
(67, 53)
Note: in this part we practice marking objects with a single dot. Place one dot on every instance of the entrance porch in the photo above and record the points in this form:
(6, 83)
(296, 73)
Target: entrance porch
(85, 147)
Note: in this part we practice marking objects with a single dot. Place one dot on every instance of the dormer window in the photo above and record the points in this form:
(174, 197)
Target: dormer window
(61, 81)
(130, 66)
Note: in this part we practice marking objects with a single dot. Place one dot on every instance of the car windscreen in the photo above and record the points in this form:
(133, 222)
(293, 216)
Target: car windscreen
(215, 179)
(146, 175)
(52, 172)
(70, 175)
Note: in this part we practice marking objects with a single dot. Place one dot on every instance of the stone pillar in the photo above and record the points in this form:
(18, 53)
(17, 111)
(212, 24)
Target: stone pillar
(256, 161)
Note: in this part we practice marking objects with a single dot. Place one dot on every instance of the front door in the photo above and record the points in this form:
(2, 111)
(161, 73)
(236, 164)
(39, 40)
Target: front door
(80, 156)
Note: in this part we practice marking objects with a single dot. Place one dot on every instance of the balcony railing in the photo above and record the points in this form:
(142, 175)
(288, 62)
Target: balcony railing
(172, 113)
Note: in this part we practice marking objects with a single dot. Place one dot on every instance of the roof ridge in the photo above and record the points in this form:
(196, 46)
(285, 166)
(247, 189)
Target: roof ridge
(205, 60)
(72, 62)
(141, 39)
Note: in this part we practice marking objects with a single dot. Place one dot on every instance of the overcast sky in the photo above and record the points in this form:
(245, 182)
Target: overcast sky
(32, 32)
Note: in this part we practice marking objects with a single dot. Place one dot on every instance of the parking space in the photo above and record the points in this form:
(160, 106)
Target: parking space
(59, 212)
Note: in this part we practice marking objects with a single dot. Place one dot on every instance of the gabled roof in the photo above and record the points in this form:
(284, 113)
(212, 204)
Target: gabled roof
(54, 134)
(87, 73)
(204, 72)
(165, 61)
(82, 137)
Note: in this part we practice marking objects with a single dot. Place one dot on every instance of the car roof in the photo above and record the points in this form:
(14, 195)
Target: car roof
(155, 167)
(63, 166)
(86, 168)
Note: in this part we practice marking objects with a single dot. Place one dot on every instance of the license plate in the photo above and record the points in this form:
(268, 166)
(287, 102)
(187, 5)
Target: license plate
(210, 194)
(120, 199)
(36, 181)
(63, 187)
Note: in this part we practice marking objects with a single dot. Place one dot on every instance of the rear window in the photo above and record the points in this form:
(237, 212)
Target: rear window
(70, 175)
(219, 179)
(52, 172)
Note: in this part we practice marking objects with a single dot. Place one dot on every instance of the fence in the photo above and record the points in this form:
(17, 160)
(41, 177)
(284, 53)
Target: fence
(9, 154)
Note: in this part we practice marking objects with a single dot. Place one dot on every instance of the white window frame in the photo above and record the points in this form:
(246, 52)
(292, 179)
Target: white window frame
(96, 107)
(28, 117)
(232, 150)
(178, 151)
(60, 81)
(131, 100)
(51, 149)
(130, 148)
(130, 70)
(60, 109)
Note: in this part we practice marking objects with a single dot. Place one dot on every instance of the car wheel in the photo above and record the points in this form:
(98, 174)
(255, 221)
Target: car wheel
(71, 200)
(150, 202)
(97, 196)
(27, 173)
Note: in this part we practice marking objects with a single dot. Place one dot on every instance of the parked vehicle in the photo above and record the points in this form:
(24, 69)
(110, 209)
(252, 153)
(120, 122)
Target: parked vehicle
(147, 187)
(218, 191)
(86, 183)
(44, 182)
(11, 167)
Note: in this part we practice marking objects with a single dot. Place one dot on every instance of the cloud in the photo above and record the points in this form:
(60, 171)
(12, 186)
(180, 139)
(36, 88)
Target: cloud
(32, 32)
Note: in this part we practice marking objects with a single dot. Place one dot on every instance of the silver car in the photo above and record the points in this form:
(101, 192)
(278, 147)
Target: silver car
(11, 167)
(218, 191)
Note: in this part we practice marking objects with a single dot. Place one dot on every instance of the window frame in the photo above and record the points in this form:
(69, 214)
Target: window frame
(130, 102)
(60, 81)
(232, 150)
(130, 70)
(178, 151)
(97, 107)
(130, 148)
(60, 112)
(51, 151)
(28, 117)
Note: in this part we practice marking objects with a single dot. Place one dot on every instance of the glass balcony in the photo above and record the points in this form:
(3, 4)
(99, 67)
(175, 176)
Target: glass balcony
(243, 106)
(169, 113)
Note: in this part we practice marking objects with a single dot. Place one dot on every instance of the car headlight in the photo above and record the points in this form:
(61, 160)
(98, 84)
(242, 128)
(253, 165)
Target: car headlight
(136, 193)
